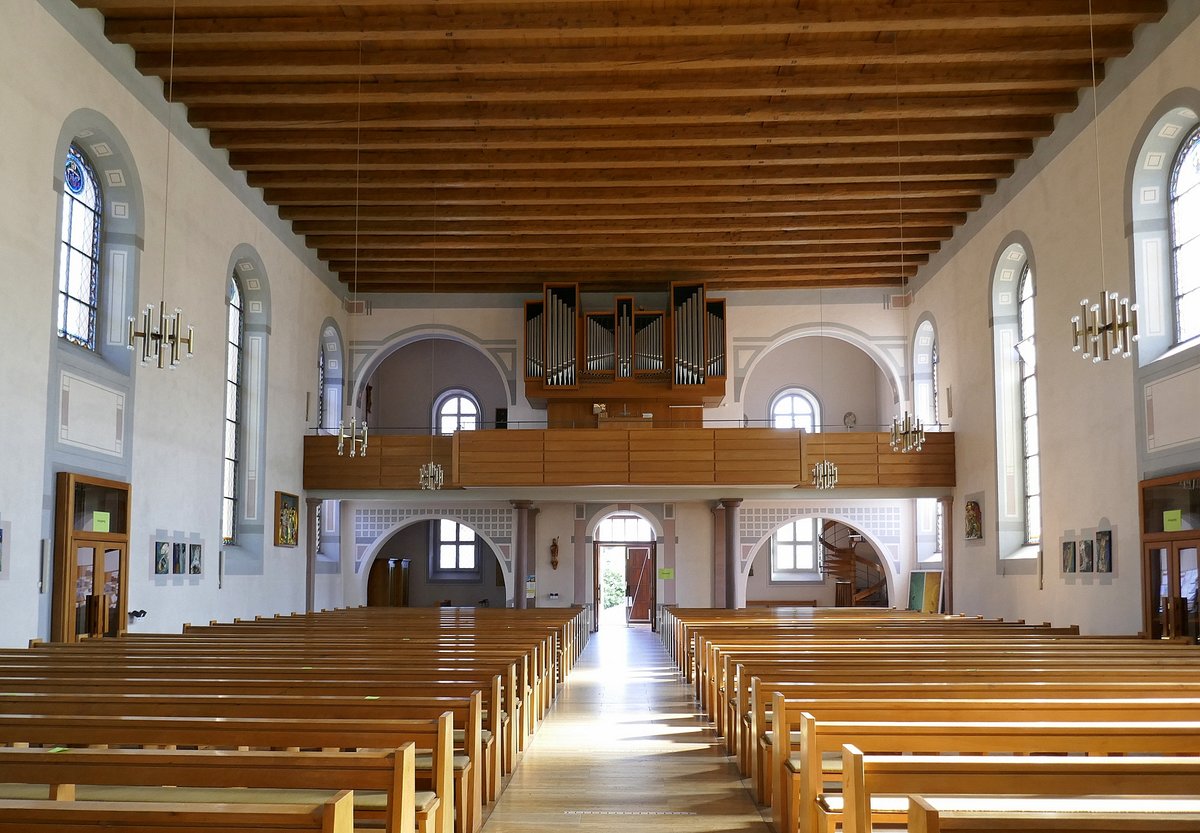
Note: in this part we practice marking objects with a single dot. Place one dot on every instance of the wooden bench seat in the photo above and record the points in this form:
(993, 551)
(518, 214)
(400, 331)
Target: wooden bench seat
(383, 781)
(935, 814)
(242, 734)
(333, 816)
(875, 787)
(820, 755)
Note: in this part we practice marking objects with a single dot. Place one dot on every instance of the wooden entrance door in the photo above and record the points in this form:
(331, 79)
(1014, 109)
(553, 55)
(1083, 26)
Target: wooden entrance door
(639, 583)
(1172, 570)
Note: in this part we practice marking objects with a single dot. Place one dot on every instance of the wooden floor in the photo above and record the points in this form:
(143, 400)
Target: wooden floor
(624, 750)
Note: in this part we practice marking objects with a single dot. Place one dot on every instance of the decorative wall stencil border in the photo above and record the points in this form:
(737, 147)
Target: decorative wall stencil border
(85, 403)
(881, 522)
(496, 523)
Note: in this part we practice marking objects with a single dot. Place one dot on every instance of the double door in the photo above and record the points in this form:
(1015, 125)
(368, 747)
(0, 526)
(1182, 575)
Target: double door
(1171, 570)
(98, 570)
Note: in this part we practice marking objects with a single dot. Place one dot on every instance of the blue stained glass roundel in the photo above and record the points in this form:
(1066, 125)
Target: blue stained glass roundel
(74, 176)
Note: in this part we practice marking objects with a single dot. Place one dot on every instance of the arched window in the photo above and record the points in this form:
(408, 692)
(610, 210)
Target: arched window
(796, 408)
(1027, 353)
(794, 550)
(925, 380)
(456, 410)
(1185, 238)
(233, 409)
(79, 266)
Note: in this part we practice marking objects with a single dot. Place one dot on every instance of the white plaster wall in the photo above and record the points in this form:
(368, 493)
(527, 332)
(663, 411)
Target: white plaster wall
(694, 554)
(1089, 461)
(176, 418)
(555, 520)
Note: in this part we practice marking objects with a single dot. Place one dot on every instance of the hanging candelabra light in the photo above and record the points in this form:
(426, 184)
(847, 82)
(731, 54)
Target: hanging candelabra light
(431, 475)
(161, 337)
(1107, 328)
(354, 435)
(825, 475)
(908, 434)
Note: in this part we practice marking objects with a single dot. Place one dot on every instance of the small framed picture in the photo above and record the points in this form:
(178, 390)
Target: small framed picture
(1068, 556)
(1086, 555)
(973, 521)
(287, 519)
(195, 559)
(1104, 563)
(179, 559)
(162, 558)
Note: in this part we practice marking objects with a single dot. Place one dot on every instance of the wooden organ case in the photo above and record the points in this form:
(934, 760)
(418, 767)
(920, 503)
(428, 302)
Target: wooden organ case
(668, 364)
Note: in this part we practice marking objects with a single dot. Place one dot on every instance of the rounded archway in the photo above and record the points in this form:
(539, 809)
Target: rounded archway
(819, 559)
(624, 566)
(449, 563)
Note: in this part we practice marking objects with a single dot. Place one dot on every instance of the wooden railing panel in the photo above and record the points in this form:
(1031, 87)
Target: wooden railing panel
(581, 457)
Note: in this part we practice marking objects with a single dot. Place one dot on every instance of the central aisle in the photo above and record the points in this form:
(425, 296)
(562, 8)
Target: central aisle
(625, 749)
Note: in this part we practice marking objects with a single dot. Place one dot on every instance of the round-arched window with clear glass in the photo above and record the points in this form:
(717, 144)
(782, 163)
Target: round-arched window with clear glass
(796, 408)
(456, 410)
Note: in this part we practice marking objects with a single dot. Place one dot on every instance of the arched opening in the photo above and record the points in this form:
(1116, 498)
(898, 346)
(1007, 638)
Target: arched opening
(624, 553)
(438, 562)
(817, 561)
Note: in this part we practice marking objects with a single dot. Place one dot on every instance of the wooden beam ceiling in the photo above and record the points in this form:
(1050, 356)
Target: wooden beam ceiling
(624, 144)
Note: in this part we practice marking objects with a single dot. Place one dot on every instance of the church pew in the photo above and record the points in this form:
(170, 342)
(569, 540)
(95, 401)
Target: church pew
(333, 816)
(879, 695)
(806, 771)
(432, 737)
(867, 778)
(332, 692)
(383, 781)
(944, 814)
(462, 710)
(337, 666)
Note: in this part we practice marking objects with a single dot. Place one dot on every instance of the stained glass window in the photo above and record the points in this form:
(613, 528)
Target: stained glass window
(233, 410)
(79, 264)
(1185, 238)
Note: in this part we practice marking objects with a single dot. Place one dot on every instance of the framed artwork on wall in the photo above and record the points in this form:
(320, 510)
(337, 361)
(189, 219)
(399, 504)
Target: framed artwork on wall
(195, 559)
(287, 519)
(1104, 555)
(162, 558)
(1086, 555)
(1068, 556)
(179, 559)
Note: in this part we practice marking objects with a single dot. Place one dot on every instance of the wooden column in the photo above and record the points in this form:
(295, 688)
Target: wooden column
(311, 544)
(735, 592)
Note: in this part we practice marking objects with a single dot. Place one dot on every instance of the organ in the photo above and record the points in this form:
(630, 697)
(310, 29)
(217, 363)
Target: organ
(619, 351)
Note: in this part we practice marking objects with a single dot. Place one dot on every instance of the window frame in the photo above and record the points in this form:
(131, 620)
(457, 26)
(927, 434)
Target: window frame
(1031, 492)
(456, 574)
(455, 395)
(1190, 145)
(233, 415)
(796, 575)
(803, 394)
(69, 207)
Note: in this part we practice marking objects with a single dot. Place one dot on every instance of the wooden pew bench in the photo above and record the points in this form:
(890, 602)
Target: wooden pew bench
(875, 787)
(286, 706)
(756, 754)
(382, 781)
(820, 759)
(940, 814)
(432, 737)
(333, 816)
